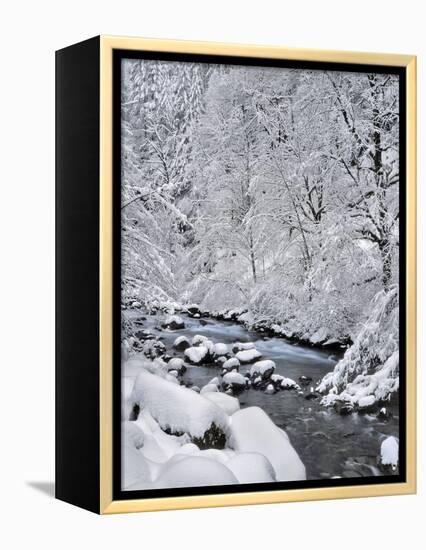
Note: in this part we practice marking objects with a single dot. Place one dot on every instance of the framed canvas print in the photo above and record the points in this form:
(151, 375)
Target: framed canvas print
(235, 274)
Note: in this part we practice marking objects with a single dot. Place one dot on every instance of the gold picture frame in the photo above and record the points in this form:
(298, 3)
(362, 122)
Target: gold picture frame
(107, 46)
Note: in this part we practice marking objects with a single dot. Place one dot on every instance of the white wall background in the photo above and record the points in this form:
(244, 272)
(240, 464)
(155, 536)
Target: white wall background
(29, 33)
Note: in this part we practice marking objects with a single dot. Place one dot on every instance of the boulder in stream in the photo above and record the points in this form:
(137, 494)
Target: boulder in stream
(174, 322)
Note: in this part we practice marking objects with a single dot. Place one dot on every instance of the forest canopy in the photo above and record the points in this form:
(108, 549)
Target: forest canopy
(273, 191)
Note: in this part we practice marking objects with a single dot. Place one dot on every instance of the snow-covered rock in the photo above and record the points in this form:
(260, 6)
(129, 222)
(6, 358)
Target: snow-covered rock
(234, 379)
(248, 355)
(194, 471)
(389, 454)
(264, 369)
(231, 364)
(227, 403)
(196, 354)
(289, 384)
(153, 349)
(251, 468)
(174, 373)
(253, 431)
(173, 322)
(240, 346)
(181, 343)
(198, 340)
(270, 389)
(384, 414)
(220, 350)
(193, 310)
(177, 364)
(176, 408)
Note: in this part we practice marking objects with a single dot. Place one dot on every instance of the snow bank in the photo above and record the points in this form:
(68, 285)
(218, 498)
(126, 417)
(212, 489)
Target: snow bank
(194, 471)
(370, 367)
(320, 336)
(177, 408)
(126, 394)
(134, 467)
(208, 388)
(251, 468)
(132, 435)
(226, 402)
(253, 431)
(248, 355)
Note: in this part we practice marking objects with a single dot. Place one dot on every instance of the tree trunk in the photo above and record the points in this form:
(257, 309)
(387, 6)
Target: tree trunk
(384, 248)
(253, 259)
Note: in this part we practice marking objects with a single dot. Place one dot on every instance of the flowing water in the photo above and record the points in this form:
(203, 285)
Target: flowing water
(329, 444)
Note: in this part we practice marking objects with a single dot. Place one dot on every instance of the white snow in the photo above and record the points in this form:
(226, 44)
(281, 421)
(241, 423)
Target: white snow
(127, 384)
(132, 367)
(239, 346)
(231, 364)
(220, 349)
(234, 378)
(261, 368)
(389, 452)
(248, 355)
(132, 435)
(195, 471)
(208, 388)
(270, 389)
(176, 407)
(196, 354)
(176, 363)
(198, 339)
(320, 335)
(134, 467)
(251, 468)
(288, 384)
(179, 340)
(253, 431)
(174, 319)
(226, 402)
(366, 401)
(359, 374)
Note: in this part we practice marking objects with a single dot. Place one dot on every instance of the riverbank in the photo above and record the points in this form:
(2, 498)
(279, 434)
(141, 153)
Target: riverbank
(329, 444)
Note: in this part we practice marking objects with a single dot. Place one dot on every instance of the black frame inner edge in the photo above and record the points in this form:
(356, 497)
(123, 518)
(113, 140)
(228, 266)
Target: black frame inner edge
(118, 493)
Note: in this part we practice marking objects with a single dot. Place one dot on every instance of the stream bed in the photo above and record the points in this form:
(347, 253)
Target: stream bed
(328, 443)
